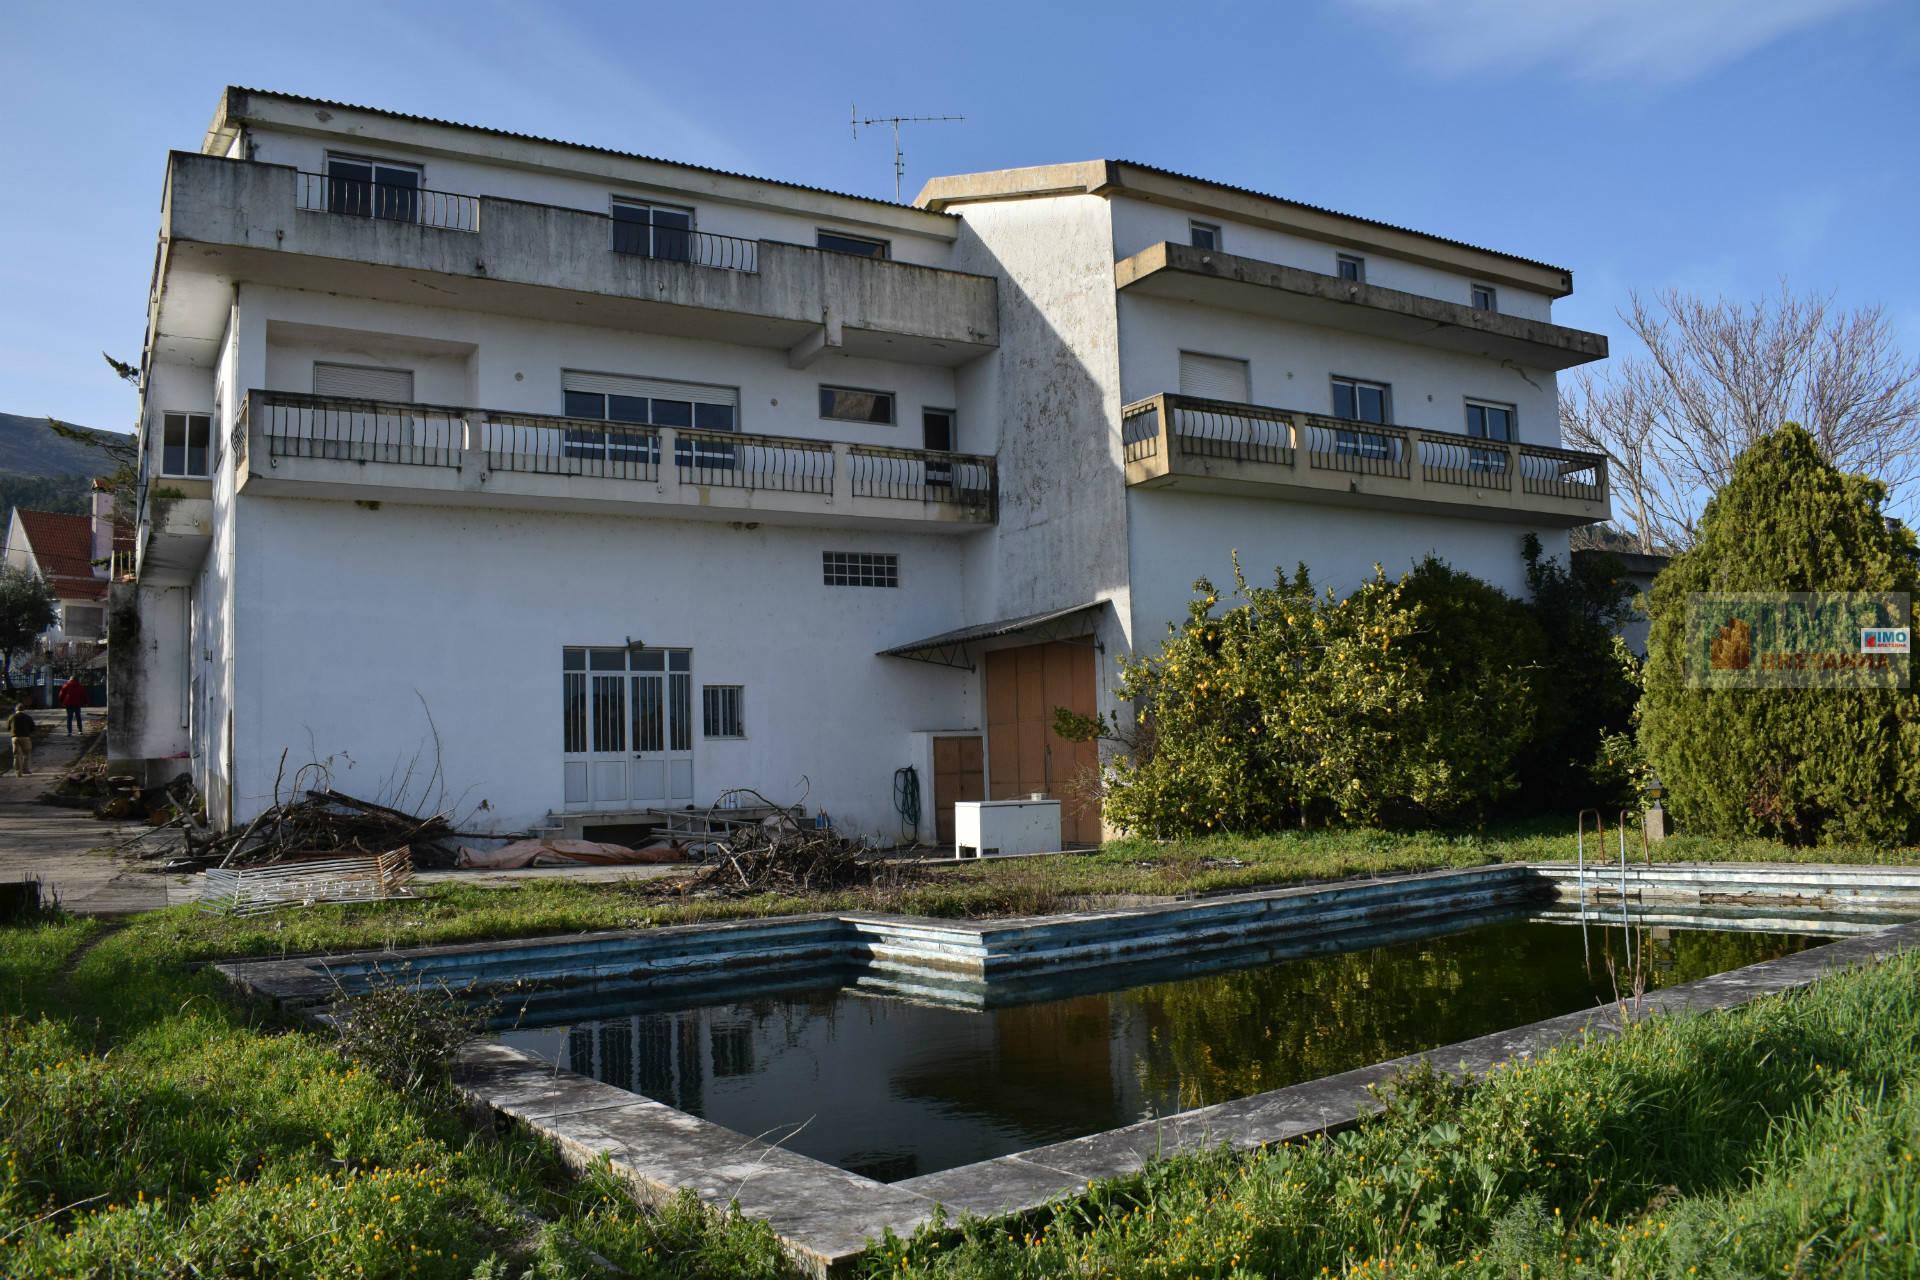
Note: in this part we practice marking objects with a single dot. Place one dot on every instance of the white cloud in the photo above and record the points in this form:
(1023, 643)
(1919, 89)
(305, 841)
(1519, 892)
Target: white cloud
(1649, 41)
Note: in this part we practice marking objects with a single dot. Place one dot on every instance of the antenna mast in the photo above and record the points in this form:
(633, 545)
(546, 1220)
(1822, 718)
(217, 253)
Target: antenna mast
(899, 157)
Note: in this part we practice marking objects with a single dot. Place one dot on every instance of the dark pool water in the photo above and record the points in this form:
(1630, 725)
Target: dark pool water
(892, 1087)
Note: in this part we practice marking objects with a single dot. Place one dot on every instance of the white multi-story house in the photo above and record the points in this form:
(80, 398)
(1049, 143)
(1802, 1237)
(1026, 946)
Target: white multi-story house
(602, 483)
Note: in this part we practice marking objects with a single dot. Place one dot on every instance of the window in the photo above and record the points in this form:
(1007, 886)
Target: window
(1205, 235)
(720, 711)
(1348, 267)
(653, 230)
(1485, 298)
(861, 568)
(860, 246)
(1489, 421)
(363, 382)
(1213, 377)
(370, 188)
(936, 435)
(655, 402)
(851, 404)
(1358, 401)
(184, 440)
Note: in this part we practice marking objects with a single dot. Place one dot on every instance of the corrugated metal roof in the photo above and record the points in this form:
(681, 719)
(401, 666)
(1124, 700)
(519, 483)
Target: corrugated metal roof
(1335, 213)
(985, 631)
(577, 146)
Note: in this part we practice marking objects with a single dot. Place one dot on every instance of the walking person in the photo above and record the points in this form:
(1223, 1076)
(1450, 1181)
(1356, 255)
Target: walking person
(20, 726)
(73, 696)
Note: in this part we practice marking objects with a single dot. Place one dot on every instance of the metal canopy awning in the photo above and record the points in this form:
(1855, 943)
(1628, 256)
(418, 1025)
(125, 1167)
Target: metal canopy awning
(949, 648)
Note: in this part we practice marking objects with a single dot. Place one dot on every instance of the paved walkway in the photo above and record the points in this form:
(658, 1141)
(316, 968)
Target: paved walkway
(70, 850)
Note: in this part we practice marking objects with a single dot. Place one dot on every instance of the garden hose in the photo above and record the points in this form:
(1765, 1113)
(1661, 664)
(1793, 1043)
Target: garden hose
(906, 800)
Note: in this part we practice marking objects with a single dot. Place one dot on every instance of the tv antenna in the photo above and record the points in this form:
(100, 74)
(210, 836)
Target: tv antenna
(899, 157)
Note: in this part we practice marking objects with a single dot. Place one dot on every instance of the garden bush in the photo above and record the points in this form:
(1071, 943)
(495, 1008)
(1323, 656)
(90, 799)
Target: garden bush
(1806, 765)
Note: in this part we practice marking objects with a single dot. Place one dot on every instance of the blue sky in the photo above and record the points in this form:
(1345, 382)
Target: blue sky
(1715, 145)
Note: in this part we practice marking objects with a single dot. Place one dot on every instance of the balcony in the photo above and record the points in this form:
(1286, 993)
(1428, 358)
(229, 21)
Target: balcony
(321, 446)
(225, 221)
(1208, 277)
(1185, 443)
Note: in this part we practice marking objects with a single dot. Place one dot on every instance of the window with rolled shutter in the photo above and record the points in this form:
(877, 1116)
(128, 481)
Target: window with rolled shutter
(363, 382)
(1214, 378)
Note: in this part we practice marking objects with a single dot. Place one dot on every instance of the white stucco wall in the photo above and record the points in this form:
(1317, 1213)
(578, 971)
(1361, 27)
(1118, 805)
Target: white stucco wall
(516, 364)
(1177, 537)
(1139, 224)
(1291, 366)
(349, 617)
(478, 175)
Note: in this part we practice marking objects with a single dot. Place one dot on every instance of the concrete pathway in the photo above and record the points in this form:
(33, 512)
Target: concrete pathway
(70, 850)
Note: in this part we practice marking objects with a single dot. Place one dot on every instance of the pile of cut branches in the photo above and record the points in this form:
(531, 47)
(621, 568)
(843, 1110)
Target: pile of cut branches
(324, 821)
(780, 856)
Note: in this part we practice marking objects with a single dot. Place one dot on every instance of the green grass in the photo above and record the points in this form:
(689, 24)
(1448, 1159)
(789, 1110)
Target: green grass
(1125, 870)
(1778, 1139)
(152, 1126)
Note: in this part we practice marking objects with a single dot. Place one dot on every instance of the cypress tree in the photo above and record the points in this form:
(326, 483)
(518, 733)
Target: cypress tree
(1802, 764)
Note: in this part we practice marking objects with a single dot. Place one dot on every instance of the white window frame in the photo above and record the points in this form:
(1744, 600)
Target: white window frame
(186, 417)
(1363, 444)
(374, 164)
(738, 693)
(1196, 225)
(860, 569)
(1359, 275)
(1474, 291)
(637, 202)
(1512, 412)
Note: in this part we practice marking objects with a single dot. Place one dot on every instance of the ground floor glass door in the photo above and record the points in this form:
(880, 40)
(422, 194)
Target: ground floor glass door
(627, 727)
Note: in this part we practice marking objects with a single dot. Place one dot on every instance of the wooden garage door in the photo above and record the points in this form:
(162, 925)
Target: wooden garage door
(1024, 754)
(959, 773)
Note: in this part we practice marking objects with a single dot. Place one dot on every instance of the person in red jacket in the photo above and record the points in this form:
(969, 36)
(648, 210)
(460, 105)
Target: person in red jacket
(73, 696)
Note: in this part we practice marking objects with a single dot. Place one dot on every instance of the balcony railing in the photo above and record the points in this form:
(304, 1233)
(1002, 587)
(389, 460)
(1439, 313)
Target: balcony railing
(673, 244)
(1160, 434)
(386, 201)
(289, 426)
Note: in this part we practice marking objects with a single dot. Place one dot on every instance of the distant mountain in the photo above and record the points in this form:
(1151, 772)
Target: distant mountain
(42, 471)
(28, 448)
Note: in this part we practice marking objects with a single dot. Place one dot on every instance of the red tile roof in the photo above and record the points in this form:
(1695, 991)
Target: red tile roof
(63, 547)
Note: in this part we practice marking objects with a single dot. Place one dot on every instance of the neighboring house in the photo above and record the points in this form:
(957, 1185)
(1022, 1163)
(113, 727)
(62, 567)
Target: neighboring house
(71, 553)
(1638, 570)
(646, 481)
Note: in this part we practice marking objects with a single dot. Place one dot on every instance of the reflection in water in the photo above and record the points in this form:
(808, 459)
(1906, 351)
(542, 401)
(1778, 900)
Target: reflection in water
(891, 1088)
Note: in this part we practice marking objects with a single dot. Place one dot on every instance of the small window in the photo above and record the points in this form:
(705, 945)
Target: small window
(720, 711)
(861, 568)
(1214, 377)
(373, 188)
(1485, 298)
(363, 382)
(1205, 235)
(184, 442)
(1359, 401)
(1351, 268)
(653, 230)
(859, 246)
(1490, 421)
(851, 404)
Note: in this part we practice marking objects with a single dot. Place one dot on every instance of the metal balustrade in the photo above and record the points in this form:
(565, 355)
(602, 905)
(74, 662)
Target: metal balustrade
(346, 430)
(1140, 431)
(729, 460)
(1562, 473)
(917, 475)
(1242, 432)
(1364, 448)
(540, 445)
(1191, 427)
(672, 244)
(1444, 460)
(386, 202)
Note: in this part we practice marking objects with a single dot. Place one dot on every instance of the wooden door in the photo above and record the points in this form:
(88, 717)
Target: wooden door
(1024, 755)
(959, 773)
